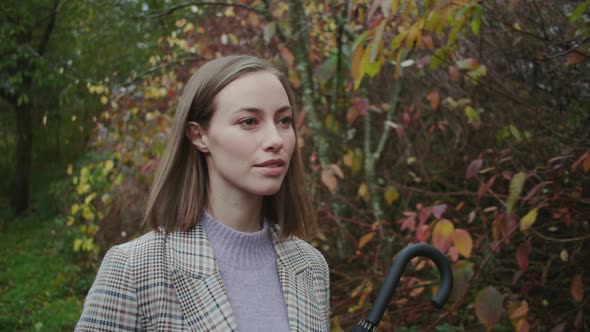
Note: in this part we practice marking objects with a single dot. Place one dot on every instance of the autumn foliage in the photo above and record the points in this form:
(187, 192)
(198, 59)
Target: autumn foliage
(462, 124)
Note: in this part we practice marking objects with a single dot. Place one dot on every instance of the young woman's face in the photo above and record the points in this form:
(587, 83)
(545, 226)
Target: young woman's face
(250, 138)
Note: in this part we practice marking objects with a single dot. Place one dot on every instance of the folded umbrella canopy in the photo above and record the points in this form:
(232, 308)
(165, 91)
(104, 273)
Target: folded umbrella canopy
(394, 275)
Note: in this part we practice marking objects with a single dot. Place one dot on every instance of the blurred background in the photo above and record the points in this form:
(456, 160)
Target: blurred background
(463, 124)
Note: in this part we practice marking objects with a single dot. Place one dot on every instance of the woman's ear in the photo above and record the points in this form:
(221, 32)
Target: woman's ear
(197, 136)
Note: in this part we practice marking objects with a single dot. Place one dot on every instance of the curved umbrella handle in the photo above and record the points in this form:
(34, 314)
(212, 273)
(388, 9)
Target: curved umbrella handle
(394, 275)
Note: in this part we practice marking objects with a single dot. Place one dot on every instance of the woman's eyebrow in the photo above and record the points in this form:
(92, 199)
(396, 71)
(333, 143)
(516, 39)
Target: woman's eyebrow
(258, 110)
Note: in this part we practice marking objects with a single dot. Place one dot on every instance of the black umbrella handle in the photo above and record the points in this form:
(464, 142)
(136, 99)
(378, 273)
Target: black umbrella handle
(394, 275)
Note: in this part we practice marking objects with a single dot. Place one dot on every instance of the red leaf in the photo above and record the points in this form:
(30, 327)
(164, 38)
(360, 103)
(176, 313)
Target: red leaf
(351, 115)
(438, 210)
(406, 118)
(473, 168)
(408, 223)
(483, 189)
(453, 254)
(424, 214)
(422, 233)
(362, 105)
(533, 191)
(522, 256)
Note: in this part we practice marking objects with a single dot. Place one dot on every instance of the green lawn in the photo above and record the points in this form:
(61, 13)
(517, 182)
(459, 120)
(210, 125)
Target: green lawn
(41, 287)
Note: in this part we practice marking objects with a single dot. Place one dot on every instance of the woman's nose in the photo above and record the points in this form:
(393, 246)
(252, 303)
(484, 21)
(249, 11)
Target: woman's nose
(273, 141)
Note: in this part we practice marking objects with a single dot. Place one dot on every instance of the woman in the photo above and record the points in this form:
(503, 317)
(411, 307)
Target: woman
(227, 208)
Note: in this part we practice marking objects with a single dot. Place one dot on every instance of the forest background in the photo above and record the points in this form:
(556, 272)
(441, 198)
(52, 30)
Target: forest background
(463, 124)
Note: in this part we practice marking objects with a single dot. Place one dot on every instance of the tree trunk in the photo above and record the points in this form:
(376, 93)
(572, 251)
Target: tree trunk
(24, 149)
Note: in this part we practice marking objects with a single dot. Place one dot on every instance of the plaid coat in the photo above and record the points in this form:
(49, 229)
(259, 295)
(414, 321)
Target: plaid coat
(171, 282)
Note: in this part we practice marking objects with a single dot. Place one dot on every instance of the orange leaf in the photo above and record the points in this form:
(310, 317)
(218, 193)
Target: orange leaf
(434, 99)
(587, 164)
(574, 58)
(577, 288)
(329, 179)
(520, 312)
(463, 242)
(442, 235)
(365, 239)
(356, 62)
(488, 306)
(288, 56)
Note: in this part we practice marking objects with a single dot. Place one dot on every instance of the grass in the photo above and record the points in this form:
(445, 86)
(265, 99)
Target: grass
(41, 285)
(41, 288)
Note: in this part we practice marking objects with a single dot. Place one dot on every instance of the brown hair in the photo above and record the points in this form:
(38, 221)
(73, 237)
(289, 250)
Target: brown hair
(178, 195)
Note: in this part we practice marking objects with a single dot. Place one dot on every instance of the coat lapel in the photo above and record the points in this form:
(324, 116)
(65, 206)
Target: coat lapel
(297, 285)
(199, 287)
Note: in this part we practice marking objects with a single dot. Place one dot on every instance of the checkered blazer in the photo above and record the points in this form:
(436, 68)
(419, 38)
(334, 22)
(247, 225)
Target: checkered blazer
(171, 282)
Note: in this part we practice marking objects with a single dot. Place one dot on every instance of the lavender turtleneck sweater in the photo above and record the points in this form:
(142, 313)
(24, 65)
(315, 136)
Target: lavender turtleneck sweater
(248, 266)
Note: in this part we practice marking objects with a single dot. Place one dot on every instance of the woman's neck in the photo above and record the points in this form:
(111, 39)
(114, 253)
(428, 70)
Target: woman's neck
(236, 210)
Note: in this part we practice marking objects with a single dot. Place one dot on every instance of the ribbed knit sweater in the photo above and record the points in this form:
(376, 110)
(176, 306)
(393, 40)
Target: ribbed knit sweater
(248, 267)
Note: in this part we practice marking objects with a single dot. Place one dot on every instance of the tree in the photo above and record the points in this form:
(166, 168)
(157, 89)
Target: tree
(50, 51)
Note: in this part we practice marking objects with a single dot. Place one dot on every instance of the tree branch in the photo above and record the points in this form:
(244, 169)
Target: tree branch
(48, 29)
(170, 10)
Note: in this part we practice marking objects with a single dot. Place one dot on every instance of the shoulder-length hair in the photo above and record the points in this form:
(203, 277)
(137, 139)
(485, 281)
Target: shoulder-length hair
(178, 196)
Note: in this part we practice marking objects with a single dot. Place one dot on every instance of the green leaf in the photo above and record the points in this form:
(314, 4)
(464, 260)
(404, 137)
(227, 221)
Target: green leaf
(577, 13)
(515, 188)
(488, 306)
(476, 19)
(472, 115)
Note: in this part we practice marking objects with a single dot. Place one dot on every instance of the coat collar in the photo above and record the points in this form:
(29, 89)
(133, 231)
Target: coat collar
(200, 289)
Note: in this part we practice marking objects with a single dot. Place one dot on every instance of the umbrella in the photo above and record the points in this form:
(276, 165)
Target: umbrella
(394, 275)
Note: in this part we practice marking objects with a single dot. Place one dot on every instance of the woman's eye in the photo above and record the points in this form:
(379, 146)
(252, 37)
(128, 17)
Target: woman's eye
(286, 121)
(248, 122)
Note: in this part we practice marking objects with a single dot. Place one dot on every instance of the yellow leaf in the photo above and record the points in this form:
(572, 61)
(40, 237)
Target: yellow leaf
(365, 239)
(106, 199)
(442, 235)
(348, 158)
(77, 244)
(391, 195)
(74, 209)
(70, 169)
(463, 242)
(89, 198)
(515, 188)
(119, 179)
(527, 221)
(87, 213)
(108, 165)
(188, 27)
(70, 221)
(104, 100)
(364, 192)
(82, 188)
